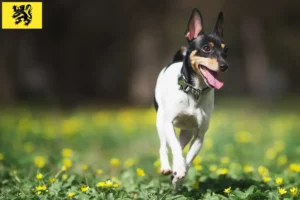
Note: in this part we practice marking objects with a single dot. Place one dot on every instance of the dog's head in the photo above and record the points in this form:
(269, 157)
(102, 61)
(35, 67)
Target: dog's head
(207, 52)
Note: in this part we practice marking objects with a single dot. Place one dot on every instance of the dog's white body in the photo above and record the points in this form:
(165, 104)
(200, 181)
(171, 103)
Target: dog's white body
(178, 109)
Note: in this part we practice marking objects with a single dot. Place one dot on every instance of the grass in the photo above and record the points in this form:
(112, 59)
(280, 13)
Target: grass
(249, 153)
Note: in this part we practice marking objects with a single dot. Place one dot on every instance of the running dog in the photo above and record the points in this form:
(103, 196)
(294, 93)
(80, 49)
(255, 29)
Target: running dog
(184, 94)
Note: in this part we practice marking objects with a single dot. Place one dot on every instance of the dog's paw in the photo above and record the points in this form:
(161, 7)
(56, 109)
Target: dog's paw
(179, 172)
(166, 171)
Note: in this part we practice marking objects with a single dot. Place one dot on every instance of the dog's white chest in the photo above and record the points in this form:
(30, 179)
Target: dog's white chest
(189, 116)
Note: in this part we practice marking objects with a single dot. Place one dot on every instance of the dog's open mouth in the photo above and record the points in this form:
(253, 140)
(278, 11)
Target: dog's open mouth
(211, 77)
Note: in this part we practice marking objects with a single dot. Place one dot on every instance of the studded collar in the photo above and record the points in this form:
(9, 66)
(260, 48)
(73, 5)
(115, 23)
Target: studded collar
(189, 89)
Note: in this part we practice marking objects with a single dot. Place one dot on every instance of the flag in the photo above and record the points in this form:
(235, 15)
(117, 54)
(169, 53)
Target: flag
(22, 15)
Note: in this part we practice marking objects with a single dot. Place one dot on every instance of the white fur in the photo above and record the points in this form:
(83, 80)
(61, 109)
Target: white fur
(178, 109)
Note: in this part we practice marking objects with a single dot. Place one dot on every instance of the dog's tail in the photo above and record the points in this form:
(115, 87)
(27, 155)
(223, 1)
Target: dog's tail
(180, 54)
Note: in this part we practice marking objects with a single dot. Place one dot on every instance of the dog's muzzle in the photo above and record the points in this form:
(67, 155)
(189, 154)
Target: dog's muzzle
(224, 67)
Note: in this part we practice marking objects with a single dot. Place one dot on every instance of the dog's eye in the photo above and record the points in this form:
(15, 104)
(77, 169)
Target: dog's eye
(206, 49)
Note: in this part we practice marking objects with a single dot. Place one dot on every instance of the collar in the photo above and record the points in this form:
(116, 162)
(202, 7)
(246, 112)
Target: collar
(187, 88)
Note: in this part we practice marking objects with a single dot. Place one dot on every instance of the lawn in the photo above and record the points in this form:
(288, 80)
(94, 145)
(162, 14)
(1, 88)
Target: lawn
(250, 152)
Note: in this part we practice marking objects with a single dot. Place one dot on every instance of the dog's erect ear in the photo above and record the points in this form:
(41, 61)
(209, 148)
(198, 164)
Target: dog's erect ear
(195, 25)
(219, 25)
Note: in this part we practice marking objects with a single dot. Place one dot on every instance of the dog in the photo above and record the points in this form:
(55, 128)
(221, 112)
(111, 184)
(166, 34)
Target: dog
(184, 94)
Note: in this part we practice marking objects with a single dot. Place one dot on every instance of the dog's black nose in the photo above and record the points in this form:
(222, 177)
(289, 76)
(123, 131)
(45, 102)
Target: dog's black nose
(224, 67)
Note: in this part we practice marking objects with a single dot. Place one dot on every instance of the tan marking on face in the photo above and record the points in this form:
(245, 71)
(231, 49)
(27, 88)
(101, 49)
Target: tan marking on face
(194, 61)
(211, 44)
(223, 46)
(210, 63)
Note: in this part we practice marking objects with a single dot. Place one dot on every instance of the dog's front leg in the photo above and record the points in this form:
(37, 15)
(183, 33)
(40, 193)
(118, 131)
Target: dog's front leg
(165, 168)
(194, 148)
(179, 169)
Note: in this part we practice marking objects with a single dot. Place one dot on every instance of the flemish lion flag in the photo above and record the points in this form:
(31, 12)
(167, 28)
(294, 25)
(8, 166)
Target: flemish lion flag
(22, 15)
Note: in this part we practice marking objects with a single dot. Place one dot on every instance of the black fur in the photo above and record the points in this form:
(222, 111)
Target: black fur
(179, 55)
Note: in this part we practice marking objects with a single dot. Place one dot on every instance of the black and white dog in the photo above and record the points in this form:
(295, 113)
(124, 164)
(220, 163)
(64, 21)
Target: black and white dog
(184, 94)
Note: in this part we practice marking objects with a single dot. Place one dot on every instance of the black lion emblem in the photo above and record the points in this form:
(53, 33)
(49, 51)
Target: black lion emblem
(22, 12)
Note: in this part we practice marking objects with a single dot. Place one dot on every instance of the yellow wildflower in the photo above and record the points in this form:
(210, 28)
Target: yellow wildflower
(140, 172)
(278, 181)
(64, 168)
(213, 168)
(41, 188)
(270, 154)
(197, 160)
(227, 190)
(222, 171)
(282, 191)
(225, 160)
(70, 126)
(108, 184)
(1, 156)
(129, 163)
(127, 121)
(115, 180)
(101, 184)
(294, 191)
(66, 152)
(266, 179)
(39, 176)
(116, 185)
(67, 162)
(64, 177)
(282, 160)
(158, 170)
(39, 161)
(99, 171)
(84, 188)
(198, 167)
(115, 162)
(248, 169)
(243, 137)
(84, 167)
(156, 163)
(70, 194)
(263, 171)
(294, 167)
(52, 180)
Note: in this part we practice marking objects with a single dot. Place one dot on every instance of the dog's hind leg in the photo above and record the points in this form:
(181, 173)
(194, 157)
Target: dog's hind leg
(194, 148)
(163, 150)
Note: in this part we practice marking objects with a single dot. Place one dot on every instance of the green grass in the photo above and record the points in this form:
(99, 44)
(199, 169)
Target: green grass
(115, 154)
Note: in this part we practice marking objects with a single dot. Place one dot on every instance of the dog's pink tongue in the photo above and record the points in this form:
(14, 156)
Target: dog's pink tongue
(213, 81)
